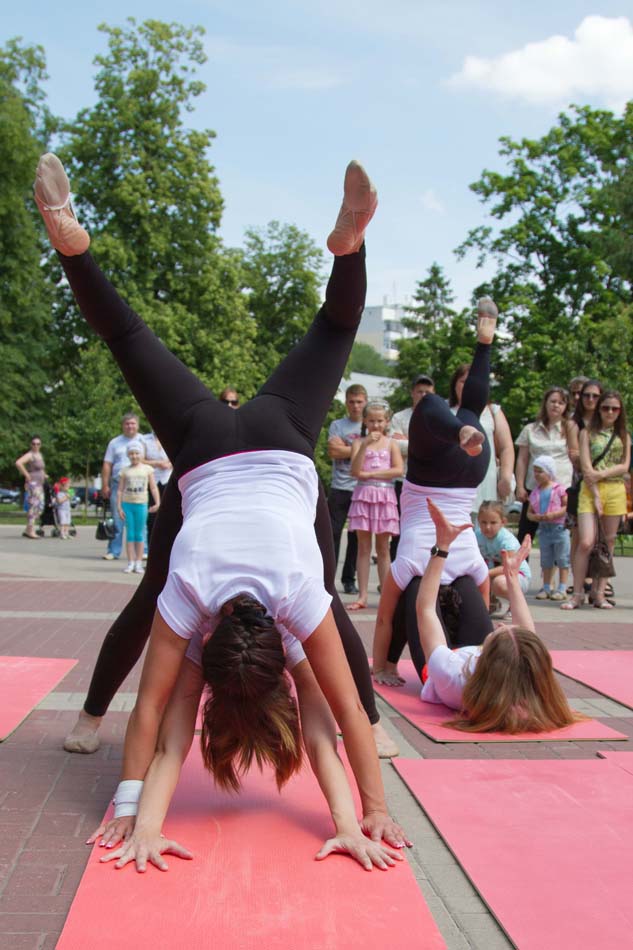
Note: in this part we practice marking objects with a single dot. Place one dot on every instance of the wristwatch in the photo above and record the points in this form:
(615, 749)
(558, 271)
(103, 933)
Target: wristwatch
(437, 552)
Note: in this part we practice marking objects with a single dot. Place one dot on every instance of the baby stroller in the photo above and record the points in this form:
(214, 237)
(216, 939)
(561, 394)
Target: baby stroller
(49, 516)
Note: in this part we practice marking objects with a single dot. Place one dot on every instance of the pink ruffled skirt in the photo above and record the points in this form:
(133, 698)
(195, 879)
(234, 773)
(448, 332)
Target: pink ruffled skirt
(374, 508)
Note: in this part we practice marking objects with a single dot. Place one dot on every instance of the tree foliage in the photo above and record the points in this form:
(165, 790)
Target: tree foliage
(365, 359)
(556, 239)
(25, 298)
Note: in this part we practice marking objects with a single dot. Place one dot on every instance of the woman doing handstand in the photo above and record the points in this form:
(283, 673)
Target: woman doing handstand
(245, 562)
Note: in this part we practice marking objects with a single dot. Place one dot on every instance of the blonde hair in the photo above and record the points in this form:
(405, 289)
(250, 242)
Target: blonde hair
(376, 405)
(513, 688)
(492, 505)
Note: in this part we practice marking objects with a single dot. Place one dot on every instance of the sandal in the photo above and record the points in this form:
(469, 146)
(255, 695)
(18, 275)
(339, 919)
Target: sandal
(356, 605)
(602, 605)
(576, 601)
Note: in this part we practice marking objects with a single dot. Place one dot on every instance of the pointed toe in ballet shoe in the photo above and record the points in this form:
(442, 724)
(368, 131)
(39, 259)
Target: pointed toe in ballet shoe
(487, 315)
(471, 440)
(52, 196)
(360, 200)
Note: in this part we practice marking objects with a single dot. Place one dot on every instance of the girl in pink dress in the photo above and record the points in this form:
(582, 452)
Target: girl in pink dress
(376, 461)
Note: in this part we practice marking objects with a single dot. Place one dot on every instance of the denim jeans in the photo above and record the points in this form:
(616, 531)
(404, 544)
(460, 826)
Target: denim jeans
(116, 544)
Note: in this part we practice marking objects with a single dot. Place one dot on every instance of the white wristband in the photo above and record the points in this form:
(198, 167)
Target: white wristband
(126, 798)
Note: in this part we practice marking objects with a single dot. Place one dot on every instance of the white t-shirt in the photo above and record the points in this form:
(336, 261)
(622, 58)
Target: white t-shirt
(417, 535)
(116, 452)
(155, 452)
(248, 527)
(448, 671)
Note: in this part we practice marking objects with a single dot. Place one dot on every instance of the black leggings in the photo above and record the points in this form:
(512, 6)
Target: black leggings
(465, 620)
(195, 428)
(435, 458)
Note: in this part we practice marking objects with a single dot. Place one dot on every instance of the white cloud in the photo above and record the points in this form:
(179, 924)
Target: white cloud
(597, 63)
(430, 201)
(277, 67)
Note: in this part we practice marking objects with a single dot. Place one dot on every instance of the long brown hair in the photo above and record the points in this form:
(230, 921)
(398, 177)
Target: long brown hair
(513, 688)
(250, 712)
(619, 426)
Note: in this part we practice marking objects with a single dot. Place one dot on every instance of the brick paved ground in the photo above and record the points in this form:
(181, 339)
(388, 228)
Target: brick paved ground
(57, 599)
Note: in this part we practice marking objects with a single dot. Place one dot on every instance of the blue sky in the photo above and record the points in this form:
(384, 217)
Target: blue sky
(419, 91)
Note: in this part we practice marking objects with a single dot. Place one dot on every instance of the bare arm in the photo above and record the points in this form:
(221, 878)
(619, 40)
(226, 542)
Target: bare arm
(573, 444)
(512, 561)
(106, 473)
(533, 515)
(337, 448)
(119, 496)
(523, 457)
(154, 491)
(429, 627)
(174, 741)
(319, 737)
(327, 659)
(21, 464)
(389, 596)
(357, 455)
(504, 448)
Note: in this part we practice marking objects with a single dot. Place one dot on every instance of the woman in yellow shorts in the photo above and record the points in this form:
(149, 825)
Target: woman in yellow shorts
(605, 458)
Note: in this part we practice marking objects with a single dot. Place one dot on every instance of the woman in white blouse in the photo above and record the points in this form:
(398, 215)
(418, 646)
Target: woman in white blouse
(547, 435)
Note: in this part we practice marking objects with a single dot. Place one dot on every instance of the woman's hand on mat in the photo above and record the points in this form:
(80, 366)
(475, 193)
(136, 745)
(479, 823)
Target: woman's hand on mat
(445, 531)
(378, 826)
(113, 832)
(368, 853)
(142, 848)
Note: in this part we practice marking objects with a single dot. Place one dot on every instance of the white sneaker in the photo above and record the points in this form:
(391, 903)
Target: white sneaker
(130, 568)
(360, 200)
(108, 557)
(138, 568)
(52, 196)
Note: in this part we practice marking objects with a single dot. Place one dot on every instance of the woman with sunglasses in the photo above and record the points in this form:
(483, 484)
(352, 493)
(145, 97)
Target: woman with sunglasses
(605, 458)
(589, 392)
(229, 397)
(31, 468)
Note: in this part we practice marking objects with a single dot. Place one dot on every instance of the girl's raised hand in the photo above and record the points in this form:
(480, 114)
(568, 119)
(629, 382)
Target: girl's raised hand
(142, 848)
(445, 531)
(512, 560)
(368, 853)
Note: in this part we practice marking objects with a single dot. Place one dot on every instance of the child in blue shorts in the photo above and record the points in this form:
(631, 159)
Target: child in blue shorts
(132, 505)
(548, 506)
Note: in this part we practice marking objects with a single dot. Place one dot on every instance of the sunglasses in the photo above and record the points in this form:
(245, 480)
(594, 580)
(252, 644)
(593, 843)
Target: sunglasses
(610, 408)
(230, 402)
(36, 443)
(591, 395)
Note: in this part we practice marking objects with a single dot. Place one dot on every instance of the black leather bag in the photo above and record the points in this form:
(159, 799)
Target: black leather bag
(105, 525)
(600, 560)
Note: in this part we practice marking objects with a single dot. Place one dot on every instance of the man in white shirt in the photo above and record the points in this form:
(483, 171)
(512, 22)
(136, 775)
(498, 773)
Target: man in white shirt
(114, 460)
(399, 429)
(341, 434)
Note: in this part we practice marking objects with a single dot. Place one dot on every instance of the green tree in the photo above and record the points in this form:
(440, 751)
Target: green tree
(365, 359)
(442, 337)
(25, 299)
(151, 200)
(554, 238)
(282, 273)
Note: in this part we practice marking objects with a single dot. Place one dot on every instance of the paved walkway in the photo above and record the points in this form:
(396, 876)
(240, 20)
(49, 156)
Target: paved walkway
(58, 599)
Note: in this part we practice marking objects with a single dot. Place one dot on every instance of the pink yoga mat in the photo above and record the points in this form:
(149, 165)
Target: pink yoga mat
(546, 844)
(253, 884)
(609, 672)
(24, 682)
(429, 718)
(623, 759)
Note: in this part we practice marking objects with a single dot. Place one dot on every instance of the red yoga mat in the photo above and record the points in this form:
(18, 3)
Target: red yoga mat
(24, 682)
(253, 883)
(547, 844)
(609, 672)
(429, 718)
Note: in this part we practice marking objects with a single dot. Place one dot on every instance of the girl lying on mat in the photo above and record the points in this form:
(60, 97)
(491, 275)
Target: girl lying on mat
(505, 685)
(246, 560)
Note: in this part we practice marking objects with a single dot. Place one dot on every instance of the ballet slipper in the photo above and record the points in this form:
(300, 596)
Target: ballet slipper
(471, 440)
(360, 200)
(52, 196)
(487, 314)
